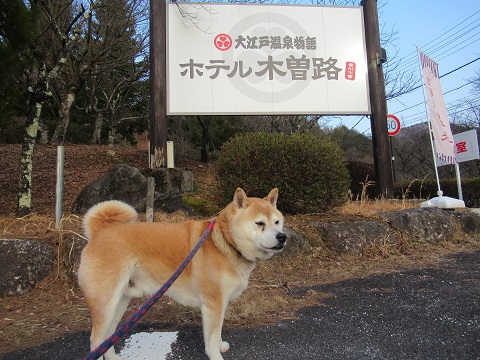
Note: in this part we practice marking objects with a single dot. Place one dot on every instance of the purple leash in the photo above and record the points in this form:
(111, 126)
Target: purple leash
(122, 330)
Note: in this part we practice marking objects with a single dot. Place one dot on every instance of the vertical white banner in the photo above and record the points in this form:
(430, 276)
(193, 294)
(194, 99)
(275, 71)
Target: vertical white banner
(442, 134)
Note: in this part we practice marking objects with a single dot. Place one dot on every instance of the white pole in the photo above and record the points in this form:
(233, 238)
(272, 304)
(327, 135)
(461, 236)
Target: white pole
(59, 187)
(459, 181)
(170, 157)
(439, 192)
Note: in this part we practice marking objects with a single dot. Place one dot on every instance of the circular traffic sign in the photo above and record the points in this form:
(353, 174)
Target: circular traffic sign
(393, 125)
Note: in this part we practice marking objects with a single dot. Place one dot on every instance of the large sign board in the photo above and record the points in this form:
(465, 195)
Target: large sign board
(265, 59)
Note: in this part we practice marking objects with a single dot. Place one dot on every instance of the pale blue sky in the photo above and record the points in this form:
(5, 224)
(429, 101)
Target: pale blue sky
(446, 30)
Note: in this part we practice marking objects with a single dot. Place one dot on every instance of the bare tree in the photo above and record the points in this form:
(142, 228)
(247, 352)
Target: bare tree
(110, 44)
(106, 102)
(288, 124)
(413, 153)
(45, 67)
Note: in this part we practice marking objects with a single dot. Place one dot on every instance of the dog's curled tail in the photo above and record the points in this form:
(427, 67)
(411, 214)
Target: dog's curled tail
(112, 211)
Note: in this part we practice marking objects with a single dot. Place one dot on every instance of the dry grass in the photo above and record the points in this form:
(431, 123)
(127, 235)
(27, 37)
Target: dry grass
(365, 207)
(31, 225)
(370, 208)
(384, 247)
(37, 226)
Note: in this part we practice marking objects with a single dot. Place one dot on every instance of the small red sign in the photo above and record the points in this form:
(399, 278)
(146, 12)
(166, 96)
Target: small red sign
(350, 69)
(223, 42)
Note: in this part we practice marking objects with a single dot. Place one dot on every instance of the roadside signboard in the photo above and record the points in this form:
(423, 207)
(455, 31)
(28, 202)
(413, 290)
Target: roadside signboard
(225, 58)
(466, 147)
(393, 125)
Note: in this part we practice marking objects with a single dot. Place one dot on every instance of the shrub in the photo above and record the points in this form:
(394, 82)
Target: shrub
(309, 172)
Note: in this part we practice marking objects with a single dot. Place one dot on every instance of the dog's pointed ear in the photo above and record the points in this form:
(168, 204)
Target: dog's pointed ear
(272, 197)
(240, 199)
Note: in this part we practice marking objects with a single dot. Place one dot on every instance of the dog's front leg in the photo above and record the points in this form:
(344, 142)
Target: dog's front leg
(213, 314)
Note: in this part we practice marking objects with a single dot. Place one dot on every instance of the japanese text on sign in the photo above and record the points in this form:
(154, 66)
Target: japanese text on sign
(299, 68)
(276, 42)
(461, 147)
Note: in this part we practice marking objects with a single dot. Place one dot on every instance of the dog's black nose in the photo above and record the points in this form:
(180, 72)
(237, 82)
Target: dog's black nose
(281, 237)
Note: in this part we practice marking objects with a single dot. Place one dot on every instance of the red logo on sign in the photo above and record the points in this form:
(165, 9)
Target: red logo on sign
(222, 42)
(350, 68)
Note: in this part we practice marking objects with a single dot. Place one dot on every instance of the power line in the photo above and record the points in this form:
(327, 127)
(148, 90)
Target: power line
(411, 58)
(445, 93)
(445, 49)
(446, 43)
(422, 113)
(448, 73)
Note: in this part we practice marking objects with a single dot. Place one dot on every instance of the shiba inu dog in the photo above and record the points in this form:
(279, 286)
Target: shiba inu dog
(125, 259)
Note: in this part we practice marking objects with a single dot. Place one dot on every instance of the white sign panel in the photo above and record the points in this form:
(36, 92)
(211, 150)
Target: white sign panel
(466, 147)
(265, 59)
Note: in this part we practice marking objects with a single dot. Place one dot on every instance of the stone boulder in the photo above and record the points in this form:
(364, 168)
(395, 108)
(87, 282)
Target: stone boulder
(123, 182)
(171, 181)
(129, 184)
(352, 236)
(297, 244)
(431, 225)
(171, 203)
(24, 264)
(469, 221)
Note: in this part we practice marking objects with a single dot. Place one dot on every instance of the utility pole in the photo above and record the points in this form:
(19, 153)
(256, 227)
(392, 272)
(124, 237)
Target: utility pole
(378, 118)
(158, 85)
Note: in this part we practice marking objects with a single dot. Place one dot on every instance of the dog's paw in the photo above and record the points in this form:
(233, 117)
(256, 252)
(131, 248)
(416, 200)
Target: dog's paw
(224, 347)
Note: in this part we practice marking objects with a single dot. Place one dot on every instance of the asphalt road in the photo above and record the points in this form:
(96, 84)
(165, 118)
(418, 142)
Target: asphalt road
(428, 313)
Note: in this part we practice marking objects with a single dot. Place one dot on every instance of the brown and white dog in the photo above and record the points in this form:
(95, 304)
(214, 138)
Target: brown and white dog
(125, 259)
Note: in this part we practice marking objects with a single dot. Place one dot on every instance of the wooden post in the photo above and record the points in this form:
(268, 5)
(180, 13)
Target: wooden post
(378, 119)
(158, 85)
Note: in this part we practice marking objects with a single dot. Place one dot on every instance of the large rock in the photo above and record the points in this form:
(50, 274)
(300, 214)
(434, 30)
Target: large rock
(24, 264)
(129, 184)
(297, 244)
(171, 181)
(171, 203)
(123, 182)
(431, 225)
(352, 236)
(469, 221)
